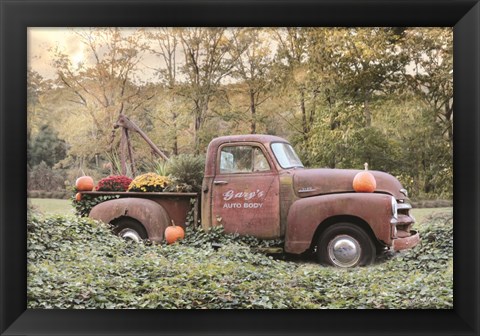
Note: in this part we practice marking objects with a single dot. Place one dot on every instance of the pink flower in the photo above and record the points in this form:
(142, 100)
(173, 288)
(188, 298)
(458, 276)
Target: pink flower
(114, 183)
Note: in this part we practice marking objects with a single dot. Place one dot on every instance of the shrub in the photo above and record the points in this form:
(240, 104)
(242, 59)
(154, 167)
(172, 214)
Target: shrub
(34, 193)
(149, 182)
(198, 237)
(187, 172)
(78, 263)
(85, 205)
(42, 177)
(158, 166)
(114, 183)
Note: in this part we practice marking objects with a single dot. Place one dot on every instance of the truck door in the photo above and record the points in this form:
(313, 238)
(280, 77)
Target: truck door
(245, 191)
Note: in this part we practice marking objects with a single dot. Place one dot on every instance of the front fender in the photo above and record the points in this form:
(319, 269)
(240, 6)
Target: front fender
(307, 214)
(149, 213)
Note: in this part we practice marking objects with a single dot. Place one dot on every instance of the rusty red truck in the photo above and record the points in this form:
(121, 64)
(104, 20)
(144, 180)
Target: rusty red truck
(256, 185)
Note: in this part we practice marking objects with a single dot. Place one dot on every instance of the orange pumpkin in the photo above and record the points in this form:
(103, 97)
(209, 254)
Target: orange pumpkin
(84, 183)
(78, 197)
(173, 233)
(364, 181)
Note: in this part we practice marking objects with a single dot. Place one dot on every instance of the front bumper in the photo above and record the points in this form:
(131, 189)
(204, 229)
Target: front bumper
(406, 242)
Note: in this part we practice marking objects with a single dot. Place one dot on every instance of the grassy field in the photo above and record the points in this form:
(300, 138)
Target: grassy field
(422, 214)
(52, 206)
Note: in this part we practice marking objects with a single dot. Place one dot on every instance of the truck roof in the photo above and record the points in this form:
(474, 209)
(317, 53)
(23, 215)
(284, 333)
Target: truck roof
(263, 138)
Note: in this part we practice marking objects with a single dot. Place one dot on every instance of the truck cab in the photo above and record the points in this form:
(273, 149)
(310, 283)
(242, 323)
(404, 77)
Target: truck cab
(256, 185)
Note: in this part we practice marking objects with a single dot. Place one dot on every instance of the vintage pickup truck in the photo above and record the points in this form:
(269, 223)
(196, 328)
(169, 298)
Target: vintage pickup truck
(256, 185)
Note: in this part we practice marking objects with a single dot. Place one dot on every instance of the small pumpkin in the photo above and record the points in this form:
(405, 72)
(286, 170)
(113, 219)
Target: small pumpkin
(364, 181)
(84, 183)
(78, 197)
(174, 233)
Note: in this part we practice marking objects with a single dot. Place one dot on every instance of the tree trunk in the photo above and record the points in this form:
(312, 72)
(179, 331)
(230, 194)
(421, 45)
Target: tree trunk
(175, 134)
(123, 154)
(198, 125)
(314, 107)
(175, 143)
(305, 127)
(253, 123)
(366, 110)
(448, 117)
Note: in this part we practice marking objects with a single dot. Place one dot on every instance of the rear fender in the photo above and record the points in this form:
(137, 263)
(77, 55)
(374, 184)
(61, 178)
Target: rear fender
(149, 213)
(307, 214)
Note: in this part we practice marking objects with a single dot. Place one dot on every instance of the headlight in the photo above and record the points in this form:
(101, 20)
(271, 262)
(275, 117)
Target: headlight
(394, 208)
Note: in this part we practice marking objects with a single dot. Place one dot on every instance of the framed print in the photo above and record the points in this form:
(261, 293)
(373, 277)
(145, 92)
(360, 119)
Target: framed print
(18, 16)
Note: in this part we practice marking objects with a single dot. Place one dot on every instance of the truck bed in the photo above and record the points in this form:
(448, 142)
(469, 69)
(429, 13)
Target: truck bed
(177, 204)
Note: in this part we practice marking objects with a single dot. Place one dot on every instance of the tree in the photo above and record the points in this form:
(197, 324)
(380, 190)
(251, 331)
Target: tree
(47, 147)
(37, 86)
(105, 84)
(292, 69)
(342, 96)
(166, 48)
(430, 74)
(206, 65)
(252, 51)
(368, 63)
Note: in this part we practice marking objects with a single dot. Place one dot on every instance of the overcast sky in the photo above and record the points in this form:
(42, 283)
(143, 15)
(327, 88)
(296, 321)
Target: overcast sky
(42, 40)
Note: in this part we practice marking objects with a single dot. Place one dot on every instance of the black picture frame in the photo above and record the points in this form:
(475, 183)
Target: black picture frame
(17, 15)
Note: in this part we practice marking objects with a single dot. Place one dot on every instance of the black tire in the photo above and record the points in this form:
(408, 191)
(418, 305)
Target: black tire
(129, 229)
(345, 245)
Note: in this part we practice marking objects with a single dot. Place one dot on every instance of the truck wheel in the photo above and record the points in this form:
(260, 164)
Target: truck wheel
(345, 245)
(129, 229)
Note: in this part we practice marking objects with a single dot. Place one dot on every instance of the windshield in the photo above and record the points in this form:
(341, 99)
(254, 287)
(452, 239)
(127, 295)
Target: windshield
(286, 156)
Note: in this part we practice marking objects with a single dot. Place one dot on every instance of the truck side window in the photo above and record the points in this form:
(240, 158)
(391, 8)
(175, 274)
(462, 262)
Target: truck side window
(242, 159)
(260, 162)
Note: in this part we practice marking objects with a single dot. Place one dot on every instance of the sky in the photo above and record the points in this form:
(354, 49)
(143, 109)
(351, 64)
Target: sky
(40, 42)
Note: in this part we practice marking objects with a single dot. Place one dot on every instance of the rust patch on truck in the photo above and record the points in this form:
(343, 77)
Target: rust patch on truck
(245, 194)
(307, 214)
(313, 182)
(149, 213)
(407, 241)
(248, 206)
(139, 205)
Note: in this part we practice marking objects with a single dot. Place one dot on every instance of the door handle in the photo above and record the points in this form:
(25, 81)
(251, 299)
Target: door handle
(220, 182)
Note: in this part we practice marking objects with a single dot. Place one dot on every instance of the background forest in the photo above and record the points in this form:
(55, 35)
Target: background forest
(341, 96)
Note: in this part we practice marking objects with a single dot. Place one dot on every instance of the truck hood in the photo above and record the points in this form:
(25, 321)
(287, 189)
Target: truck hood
(312, 182)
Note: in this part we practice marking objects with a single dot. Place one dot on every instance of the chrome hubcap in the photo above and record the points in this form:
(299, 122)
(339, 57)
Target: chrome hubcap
(129, 234)
(344, 251)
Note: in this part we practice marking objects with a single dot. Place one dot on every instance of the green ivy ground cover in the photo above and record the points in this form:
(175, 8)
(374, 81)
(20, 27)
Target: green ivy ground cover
(77, 263)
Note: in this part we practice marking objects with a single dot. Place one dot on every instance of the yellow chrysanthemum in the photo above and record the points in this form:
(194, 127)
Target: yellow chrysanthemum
(149, 182)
